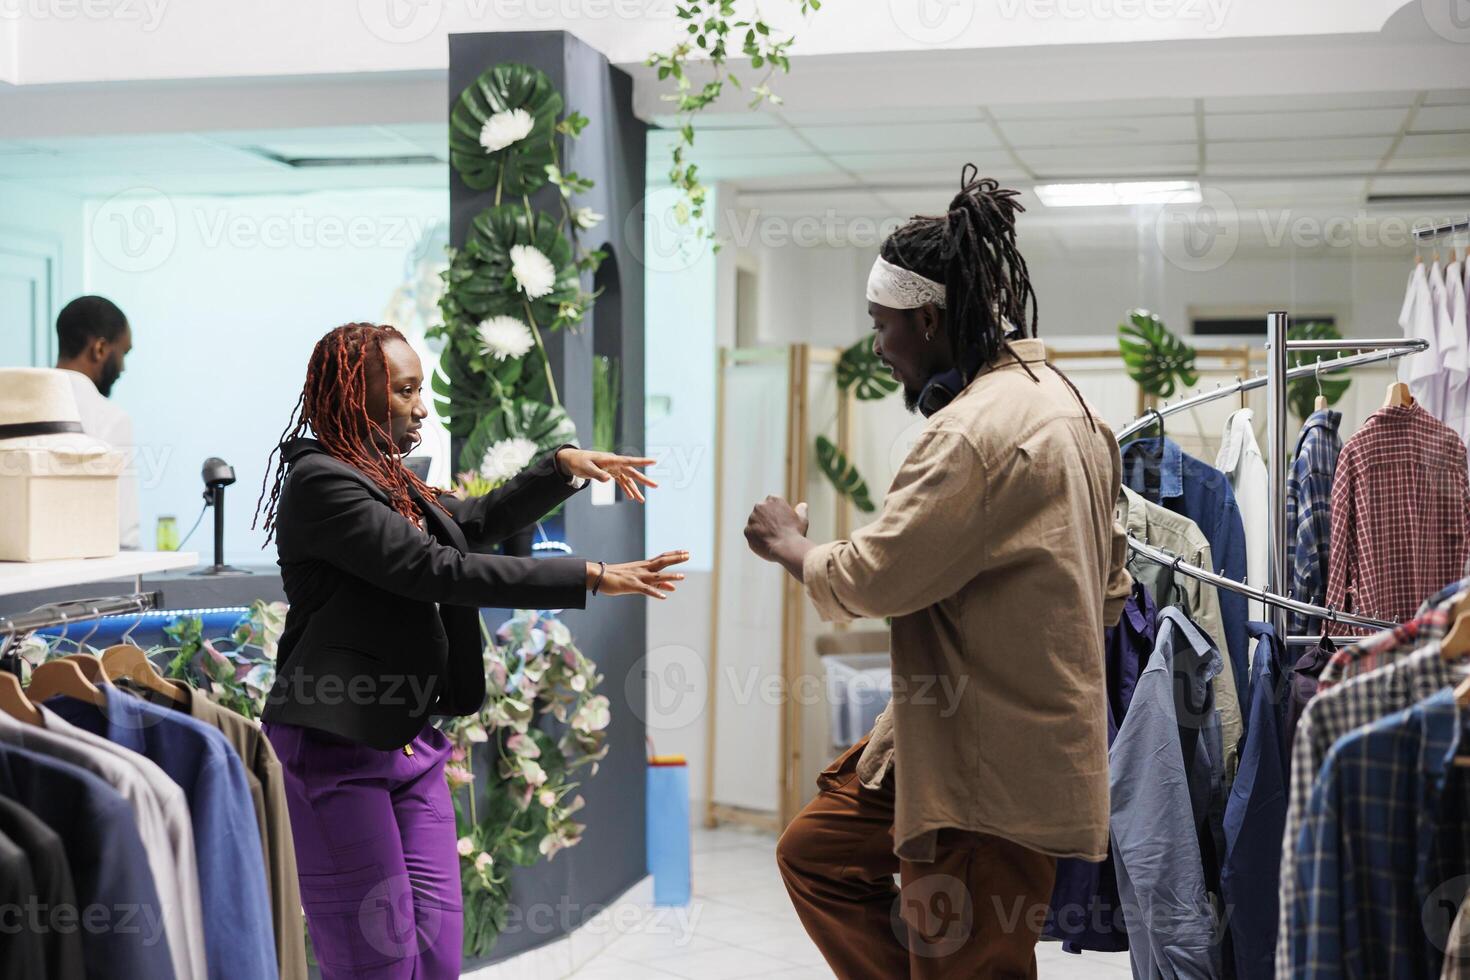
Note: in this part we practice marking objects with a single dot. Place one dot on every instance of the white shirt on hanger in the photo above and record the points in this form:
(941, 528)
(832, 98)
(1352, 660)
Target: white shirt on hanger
(1241, 461)
(1416, 318)
(1449, 347)
(1458, 402)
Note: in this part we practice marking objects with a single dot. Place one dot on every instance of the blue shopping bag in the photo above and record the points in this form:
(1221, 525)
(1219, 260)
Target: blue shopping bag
(668, 829)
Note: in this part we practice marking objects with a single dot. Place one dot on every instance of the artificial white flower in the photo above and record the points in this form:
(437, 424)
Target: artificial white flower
(585, 218)
(547, 798)
(504, 337)
(506, 458)
(504, 128)
(483, 861)
(466, 847)
(532, 270)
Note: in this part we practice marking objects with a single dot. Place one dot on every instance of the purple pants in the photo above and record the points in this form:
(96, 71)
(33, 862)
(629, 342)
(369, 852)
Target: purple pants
(375, 854)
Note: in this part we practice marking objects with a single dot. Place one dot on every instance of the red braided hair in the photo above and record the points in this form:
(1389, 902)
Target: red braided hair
(333, 404)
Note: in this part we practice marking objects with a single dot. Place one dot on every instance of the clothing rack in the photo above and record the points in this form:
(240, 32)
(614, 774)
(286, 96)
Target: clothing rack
(1439, 231)
(1278, 374)
(73, 611)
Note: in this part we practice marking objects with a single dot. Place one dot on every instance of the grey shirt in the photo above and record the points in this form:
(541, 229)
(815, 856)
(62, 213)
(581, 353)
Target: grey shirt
(162, 813)
(1166, 773)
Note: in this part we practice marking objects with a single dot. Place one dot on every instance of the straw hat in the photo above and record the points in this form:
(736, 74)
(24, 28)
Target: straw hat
(38, 411)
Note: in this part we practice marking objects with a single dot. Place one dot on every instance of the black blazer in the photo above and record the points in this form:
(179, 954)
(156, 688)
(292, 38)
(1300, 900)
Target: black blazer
(365, 655)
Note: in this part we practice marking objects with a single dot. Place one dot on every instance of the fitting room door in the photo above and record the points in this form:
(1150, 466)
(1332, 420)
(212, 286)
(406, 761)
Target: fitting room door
(26, 294)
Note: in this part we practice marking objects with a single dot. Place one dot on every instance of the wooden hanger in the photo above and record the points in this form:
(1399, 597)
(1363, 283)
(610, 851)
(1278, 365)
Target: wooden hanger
(1398, 396)
(63, 677)
(127, 661)
(1462, 699)
(13, 701)
(1320, 405)
(90, 667)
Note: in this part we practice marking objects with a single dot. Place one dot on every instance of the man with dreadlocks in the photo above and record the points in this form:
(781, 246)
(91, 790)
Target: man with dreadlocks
(998, 559)
(385, 577)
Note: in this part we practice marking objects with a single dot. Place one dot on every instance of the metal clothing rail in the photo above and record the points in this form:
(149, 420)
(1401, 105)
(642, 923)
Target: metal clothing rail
(76, 610)
(1439, 231)
(1278, 374)
(1177, 563)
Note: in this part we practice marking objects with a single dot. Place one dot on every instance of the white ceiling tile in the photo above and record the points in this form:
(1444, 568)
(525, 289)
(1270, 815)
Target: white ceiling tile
(1303, 103)
(1100, 161)
(1091, 110)
(946, 162)
(736, 168)
(1303, 125)
(917, 138)
(1249, 151)
(1457, 96)
(1450, 183)
(879, 116)
(1252, 168)
(1443, 145)
(1444, 118)
(1453, 164)
(1098, 130)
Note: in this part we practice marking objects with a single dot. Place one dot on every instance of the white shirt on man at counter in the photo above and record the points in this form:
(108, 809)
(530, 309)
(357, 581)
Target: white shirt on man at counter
(103, 418)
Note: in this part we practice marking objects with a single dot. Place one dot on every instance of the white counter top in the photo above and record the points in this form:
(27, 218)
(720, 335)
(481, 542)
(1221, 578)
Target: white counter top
(29, 576)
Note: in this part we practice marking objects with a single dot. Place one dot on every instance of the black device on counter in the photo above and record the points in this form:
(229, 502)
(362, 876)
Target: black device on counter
(217, 474)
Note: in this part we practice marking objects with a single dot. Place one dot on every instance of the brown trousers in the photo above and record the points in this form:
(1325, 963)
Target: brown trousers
(975, 911)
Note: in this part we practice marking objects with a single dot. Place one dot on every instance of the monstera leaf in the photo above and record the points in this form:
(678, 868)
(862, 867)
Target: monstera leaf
(519, 168)
(463, 394)
(1301, 394)
(843, 474)
(479, 280)
(859, 368)
(548, 426)
(1160, 362)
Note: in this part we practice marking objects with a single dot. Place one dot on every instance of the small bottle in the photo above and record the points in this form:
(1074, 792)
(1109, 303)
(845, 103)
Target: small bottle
(167, 538)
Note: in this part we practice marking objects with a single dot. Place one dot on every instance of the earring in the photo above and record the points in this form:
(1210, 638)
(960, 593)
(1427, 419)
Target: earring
(929, 336)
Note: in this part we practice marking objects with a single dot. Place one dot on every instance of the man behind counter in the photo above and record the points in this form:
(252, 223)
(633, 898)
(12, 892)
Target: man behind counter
(93, 339)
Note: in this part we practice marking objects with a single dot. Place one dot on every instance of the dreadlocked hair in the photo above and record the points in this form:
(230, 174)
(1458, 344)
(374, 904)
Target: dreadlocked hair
(333, 405)
(972, 250)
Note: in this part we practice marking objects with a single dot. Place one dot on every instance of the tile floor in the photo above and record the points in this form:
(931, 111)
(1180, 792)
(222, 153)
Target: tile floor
(741, 924)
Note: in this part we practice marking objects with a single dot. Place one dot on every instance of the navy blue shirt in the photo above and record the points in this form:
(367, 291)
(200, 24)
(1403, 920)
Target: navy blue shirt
(1187, 486)
(237, 912)
(117, 914)
(1255, 815)
(1086, 912)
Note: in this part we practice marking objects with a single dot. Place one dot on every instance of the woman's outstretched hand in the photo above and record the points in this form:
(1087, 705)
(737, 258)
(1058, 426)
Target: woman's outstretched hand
(646, 577)
(608, 466)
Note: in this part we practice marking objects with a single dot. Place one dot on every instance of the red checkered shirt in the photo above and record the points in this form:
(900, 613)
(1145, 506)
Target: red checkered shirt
(1400, 514)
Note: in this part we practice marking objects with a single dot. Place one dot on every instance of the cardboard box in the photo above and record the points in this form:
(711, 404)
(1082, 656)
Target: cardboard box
(59, 503)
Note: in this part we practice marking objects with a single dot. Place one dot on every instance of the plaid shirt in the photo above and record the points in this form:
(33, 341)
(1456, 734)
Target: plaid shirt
(1309, 511)
(1457, 951)
(1379, 809)
(1327, 718)
(1432, 623)
(1400, 514)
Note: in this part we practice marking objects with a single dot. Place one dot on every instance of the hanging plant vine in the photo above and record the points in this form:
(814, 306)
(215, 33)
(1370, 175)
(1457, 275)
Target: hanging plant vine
(708, 33)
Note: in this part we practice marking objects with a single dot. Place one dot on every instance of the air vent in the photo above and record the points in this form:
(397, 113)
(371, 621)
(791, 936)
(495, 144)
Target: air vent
(302, 163)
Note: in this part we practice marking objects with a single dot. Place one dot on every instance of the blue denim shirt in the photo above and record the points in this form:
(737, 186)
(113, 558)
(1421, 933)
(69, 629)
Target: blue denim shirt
(1255, 815)
(1166, 772)
(238, 934)
(1198, 491)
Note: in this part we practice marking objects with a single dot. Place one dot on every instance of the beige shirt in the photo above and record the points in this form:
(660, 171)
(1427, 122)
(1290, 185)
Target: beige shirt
(997, 556)
(1178, 535)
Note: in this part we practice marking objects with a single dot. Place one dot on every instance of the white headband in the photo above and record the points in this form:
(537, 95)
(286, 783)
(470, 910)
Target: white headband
(900, 289)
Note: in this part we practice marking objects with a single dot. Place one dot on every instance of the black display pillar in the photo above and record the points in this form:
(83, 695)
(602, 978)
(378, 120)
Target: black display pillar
(554, 897)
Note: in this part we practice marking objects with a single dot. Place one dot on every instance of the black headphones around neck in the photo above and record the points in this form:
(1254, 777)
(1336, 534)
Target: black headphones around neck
(944, 387)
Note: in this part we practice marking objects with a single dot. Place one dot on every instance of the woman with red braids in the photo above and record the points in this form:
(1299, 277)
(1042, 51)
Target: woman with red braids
(385, 577)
